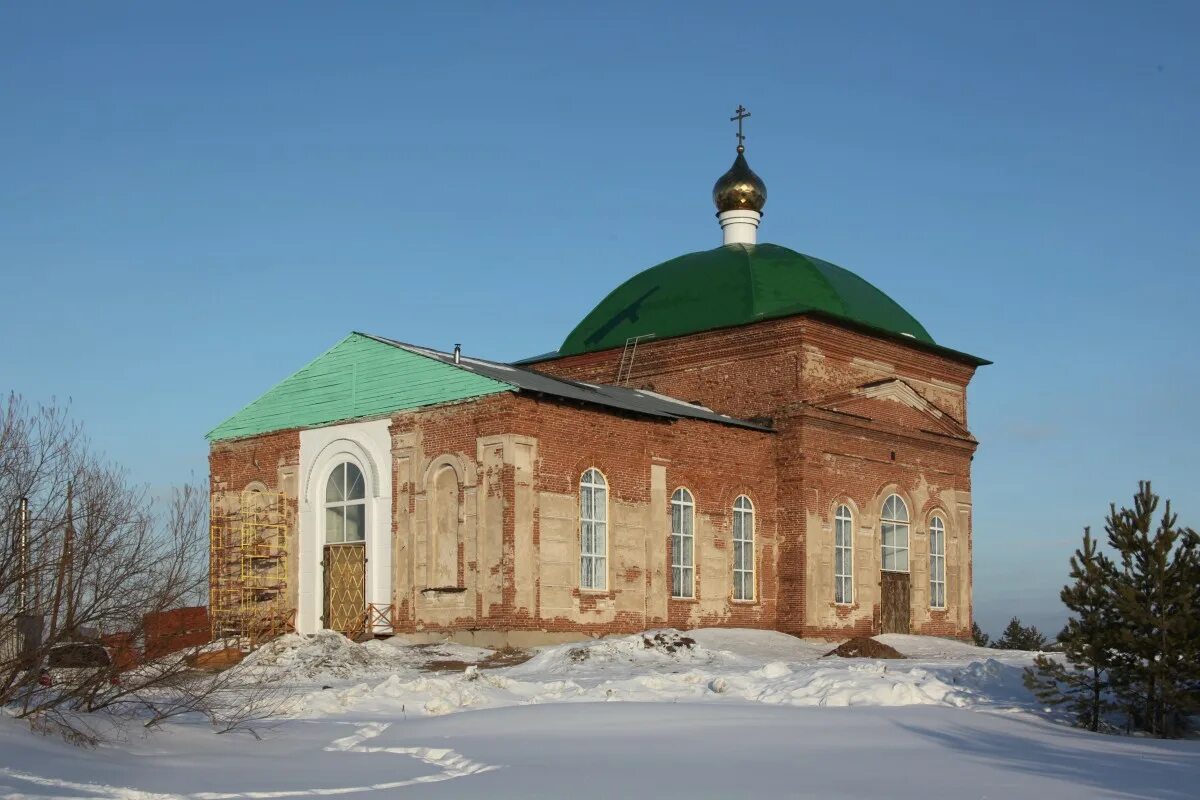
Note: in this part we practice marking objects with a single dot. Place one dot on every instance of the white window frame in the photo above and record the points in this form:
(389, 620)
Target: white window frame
(743, 511)
(345, 503)
(593, 531)
(937, 562)
(843, 555)
(683, 545)
(894, 514)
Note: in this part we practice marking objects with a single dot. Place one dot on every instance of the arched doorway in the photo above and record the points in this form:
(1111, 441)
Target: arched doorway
(344, 557)
(895, 596)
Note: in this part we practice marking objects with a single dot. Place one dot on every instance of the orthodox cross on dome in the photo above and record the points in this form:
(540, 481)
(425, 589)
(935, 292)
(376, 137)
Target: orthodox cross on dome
(740, 115)
(739, 194)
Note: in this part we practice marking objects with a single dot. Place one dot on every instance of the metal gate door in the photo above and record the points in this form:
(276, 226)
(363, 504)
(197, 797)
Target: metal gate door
(345, 571)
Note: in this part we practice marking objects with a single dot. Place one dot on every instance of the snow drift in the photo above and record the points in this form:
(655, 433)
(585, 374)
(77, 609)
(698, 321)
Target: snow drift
(717, 665)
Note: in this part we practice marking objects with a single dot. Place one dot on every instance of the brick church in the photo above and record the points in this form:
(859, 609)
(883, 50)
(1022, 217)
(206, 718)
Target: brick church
(745, 436)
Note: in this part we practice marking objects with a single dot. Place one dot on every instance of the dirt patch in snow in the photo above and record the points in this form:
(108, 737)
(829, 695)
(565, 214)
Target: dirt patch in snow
(508, 657)
(669, 642)
(864, 647)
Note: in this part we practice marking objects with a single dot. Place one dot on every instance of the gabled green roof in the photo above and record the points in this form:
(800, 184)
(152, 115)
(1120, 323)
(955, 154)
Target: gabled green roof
(735, 285)
(359, 377)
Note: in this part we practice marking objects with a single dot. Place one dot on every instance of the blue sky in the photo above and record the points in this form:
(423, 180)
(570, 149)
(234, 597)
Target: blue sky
(196, 199)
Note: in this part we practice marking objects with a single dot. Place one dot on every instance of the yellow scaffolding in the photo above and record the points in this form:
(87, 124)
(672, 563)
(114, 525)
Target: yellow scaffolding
(248, 567)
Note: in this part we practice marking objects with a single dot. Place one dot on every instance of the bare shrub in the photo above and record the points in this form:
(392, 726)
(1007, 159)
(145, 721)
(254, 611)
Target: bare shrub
(97, 555)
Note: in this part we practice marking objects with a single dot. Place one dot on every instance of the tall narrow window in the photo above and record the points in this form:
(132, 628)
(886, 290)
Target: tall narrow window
(894, 527)
(743, 549)
(937, 562)
(593, 531)
(683, 554)
(345, 505)
(843, 555)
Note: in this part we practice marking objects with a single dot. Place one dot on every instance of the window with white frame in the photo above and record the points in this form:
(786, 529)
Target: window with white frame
(683, 553)
(893, 526)
(345, 505)
(843, 556)
(937, 562)
(593, 531)
(743, 549)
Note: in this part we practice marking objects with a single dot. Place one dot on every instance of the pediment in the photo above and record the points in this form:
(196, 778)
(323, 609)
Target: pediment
(896, 402)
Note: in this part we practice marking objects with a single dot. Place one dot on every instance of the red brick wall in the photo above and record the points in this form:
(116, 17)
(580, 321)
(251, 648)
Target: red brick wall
(122, 650)
(767, 370)
(716, 462)
(234, 465)
(855, 460)
(757, 370)
(178, 629)
(762, 370)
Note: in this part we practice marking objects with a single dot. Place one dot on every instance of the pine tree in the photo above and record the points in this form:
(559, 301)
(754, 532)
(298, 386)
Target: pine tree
(1047, 678)
(1020, 637)
(1156, 599)
(1087, 641)
(981, 639)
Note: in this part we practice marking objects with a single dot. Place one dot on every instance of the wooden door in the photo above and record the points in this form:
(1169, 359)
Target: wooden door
(894, 587)
(345, 571)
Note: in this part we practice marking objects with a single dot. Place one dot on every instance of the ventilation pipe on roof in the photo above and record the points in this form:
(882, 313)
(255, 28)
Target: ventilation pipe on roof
(457, 353)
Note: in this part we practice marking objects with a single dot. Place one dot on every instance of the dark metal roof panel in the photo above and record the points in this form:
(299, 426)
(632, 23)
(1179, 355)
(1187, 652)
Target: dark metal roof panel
(635, 401)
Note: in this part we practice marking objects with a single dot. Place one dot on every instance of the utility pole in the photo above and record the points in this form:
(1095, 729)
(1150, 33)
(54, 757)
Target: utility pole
(23, 556)
(29, 623)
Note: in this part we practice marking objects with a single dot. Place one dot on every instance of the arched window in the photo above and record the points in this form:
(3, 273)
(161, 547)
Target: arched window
(683, 554)
(743, 549)
(843, 555)
(937, 562)
(345, 505)
(593, 530)
(894, 527)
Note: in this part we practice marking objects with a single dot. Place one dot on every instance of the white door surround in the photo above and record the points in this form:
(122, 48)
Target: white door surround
(368, 446)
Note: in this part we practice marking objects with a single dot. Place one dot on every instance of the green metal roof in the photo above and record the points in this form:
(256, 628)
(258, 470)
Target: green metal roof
(359, 377)
(735, 285)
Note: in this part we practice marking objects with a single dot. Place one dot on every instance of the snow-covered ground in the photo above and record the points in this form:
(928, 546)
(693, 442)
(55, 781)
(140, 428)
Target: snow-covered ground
(733, 712)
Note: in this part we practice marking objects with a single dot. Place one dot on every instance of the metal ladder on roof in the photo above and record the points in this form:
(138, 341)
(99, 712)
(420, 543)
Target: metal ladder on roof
(625, 368)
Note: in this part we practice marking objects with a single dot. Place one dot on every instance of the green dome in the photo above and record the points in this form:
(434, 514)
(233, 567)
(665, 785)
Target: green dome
(734, 285)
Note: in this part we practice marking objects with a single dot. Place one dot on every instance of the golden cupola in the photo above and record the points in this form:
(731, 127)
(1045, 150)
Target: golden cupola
(739, 194)
(740, 189)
